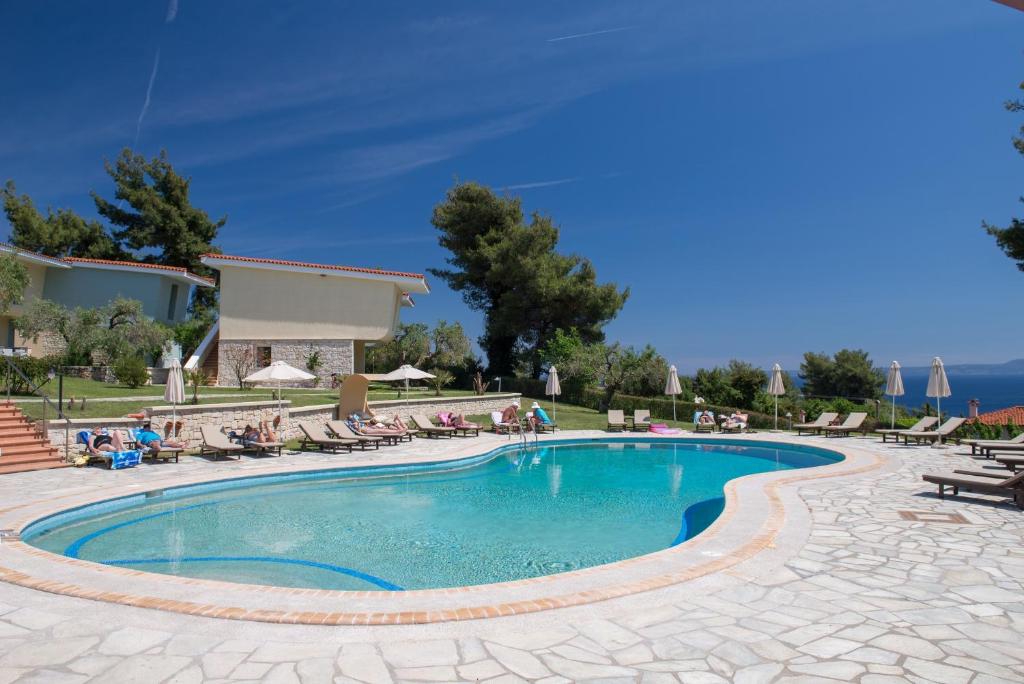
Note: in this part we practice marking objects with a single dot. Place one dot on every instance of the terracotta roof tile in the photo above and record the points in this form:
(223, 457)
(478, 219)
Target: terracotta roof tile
(1003, 416)
(302, 264)
(135, 264)
(28, 251)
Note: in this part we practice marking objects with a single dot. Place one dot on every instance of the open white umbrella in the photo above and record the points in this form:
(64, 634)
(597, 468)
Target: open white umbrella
(279, 372)
(552, 388)
(174, 392)
(407, 373)
(938, 385)
(672, 388)
(894, 388)
(776, 388)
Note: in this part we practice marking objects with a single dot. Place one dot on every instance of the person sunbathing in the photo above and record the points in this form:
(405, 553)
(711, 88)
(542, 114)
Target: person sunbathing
(458, 421)
(736, 420)
(376, 427)
(262, 434)
(99, 441)
(148, 439)
(707, 418)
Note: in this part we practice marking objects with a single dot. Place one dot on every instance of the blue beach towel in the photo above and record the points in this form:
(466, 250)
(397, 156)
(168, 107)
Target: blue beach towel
(124, 459)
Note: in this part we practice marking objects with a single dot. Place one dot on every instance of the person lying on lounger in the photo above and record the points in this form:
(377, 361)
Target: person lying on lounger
(456, 420)
(151, 440)
(101, 441)
(375, 426)
(707, 418)
(262, 434)
(736, 420)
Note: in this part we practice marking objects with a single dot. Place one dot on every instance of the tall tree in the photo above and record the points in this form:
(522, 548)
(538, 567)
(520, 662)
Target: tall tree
(510, 270)
(14, 278)
(849, 373)
(60, 233)
(1011, 238)
(159, 219)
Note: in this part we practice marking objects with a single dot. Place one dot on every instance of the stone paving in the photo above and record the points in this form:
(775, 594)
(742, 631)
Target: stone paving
(872, 579)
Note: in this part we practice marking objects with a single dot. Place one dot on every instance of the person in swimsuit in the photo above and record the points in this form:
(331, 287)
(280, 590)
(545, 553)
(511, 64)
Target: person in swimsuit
(101, 441)
(151, 440)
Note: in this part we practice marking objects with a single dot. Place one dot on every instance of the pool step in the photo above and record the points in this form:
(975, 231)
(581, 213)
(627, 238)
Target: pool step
(22, 448)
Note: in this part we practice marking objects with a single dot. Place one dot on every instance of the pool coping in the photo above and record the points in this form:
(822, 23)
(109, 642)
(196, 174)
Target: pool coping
(753, 517)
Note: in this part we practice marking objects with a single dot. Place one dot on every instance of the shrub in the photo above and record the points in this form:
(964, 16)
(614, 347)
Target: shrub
(35, 369)
(130, 370)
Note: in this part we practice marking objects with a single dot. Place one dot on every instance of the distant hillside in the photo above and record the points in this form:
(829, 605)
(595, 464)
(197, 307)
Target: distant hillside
(1014, 367)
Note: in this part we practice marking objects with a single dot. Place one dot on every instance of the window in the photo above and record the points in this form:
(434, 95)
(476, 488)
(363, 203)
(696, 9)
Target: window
(263, 357)
(172, 305)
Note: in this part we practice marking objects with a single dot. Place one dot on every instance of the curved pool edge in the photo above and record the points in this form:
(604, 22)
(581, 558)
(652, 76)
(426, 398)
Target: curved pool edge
(753, 516)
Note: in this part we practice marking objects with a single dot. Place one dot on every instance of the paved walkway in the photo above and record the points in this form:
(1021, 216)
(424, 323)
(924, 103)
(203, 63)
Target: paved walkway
(870, 580)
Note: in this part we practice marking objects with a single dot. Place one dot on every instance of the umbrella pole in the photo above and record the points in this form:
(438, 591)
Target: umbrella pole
(776, 412)
(674, 408)
(174, 419)
(893, 425)
(554, 408)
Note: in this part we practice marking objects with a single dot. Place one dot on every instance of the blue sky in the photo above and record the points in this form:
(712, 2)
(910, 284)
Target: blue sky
(767, 178)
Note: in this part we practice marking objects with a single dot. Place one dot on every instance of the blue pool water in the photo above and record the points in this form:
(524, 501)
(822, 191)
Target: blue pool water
(512, 514)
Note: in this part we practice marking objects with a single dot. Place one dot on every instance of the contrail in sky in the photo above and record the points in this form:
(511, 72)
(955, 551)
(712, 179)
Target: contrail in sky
(149, 92)
(592, 33)
(541, 184)
(172, 11)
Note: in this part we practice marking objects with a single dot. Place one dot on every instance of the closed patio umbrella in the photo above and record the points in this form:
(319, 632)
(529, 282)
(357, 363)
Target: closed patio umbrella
(278, 372)
(776, 388)
(894, 388)
(552, 388)
(672, 388)
(938, 385)
(407, 373)
(174, 392)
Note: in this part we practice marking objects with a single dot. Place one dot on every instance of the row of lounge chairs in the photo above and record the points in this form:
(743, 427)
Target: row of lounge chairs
(641, 420)
(823, 425)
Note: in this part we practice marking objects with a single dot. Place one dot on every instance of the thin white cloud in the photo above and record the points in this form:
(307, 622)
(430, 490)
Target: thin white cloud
(172, 11)
(574, 36)
(149, 93)
(541, 184)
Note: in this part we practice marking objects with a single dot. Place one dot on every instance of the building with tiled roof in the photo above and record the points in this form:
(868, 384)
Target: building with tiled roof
(164, 291)
(1012, 414)
(283, 310)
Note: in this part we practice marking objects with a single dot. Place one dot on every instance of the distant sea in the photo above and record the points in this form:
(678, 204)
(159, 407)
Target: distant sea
(993, 391)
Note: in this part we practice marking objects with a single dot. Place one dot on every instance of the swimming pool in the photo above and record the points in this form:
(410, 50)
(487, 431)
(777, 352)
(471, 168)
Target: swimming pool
(511, 514)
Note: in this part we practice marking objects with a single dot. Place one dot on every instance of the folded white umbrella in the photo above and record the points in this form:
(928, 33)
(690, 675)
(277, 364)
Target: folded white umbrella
(938, 385)
(279, 372)
(776, 387)
(174, 392)
(672, 388)
(894, 388)
(407, 373)
(552, 388)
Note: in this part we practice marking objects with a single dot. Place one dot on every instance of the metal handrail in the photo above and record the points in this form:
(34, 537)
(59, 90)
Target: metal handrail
(46, 402)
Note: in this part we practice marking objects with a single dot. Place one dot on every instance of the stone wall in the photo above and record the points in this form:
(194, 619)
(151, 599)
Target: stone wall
(237, 415)
(336, 356)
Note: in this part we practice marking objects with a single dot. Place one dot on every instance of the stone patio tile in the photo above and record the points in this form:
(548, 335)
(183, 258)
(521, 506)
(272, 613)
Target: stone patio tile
(937, 672)
(49, 653)
(362, 662)
(143, 668)
(434, 673)
(522, 663)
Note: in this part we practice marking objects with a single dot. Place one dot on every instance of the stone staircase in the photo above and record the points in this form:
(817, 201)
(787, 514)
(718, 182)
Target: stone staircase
(21, 446)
